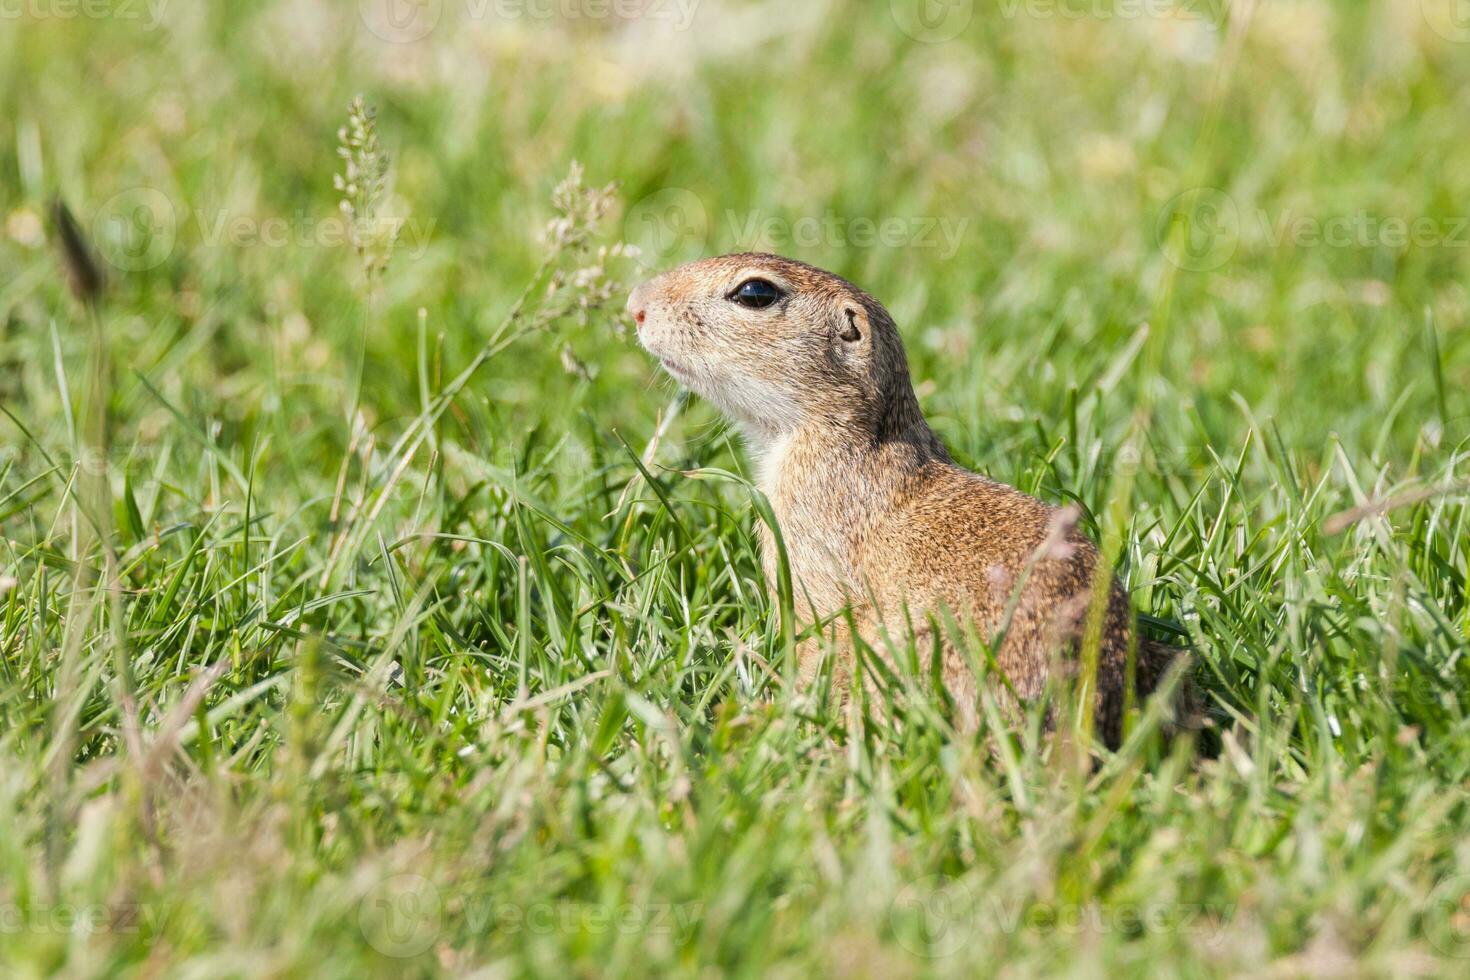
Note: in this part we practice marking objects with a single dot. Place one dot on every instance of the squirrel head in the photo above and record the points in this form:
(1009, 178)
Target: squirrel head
(777, 345)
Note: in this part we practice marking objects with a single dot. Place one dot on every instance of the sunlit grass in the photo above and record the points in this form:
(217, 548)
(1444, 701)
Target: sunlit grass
(366, 614)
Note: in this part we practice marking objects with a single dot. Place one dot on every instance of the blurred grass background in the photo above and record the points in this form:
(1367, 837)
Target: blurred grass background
(376, 696)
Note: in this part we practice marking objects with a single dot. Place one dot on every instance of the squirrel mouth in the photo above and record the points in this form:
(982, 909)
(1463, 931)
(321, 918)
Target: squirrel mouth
(678, 370)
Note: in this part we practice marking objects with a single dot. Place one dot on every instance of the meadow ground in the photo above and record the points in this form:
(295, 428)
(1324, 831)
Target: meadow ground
(379, 611)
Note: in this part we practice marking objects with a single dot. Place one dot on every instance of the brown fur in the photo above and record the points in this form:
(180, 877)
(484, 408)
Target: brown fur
(874, 513)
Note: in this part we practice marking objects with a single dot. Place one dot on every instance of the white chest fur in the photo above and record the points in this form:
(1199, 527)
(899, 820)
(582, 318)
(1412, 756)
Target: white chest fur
(811, 514)
(770, 457)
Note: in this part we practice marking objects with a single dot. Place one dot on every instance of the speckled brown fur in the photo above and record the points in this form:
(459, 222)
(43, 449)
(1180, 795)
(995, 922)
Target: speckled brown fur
(874, 513)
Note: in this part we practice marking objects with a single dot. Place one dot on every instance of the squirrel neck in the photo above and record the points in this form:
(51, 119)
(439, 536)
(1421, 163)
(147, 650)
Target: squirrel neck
(831, 487)
(845, 473)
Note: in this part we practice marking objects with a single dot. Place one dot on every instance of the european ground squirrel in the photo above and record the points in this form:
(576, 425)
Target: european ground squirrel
(875, 515)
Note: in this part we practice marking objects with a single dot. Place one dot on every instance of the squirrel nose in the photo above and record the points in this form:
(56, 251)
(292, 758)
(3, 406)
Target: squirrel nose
(637, 306)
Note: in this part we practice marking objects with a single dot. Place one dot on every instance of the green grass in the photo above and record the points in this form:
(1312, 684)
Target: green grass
(320, 658)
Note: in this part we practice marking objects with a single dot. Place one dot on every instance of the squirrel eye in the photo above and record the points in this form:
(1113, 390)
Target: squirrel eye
(756, 294)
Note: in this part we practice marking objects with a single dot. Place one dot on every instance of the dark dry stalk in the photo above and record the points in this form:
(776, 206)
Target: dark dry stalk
(83, 272)
(88, 283)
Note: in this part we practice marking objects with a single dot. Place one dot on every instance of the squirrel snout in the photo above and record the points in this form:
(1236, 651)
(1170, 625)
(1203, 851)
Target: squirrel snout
(638, 306)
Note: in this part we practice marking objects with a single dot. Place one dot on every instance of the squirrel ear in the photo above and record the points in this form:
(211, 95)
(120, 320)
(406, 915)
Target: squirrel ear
(855, 326)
